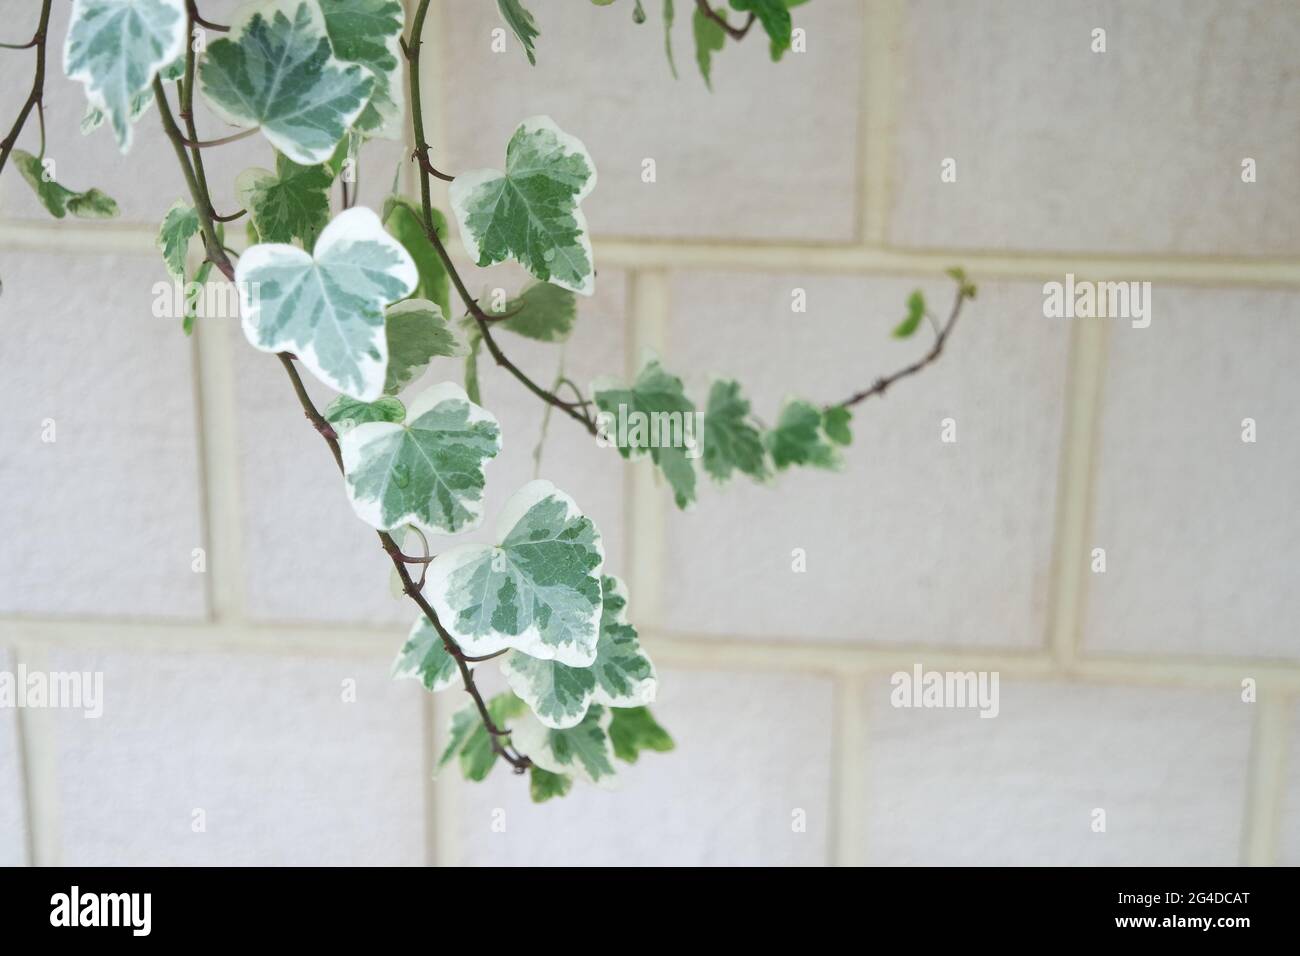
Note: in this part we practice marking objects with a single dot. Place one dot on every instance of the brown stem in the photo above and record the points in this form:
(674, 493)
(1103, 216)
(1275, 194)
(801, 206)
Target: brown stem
(194, 15)
(736, 33)
(421, 156)
(197, 186)
(35, 99)
(881, 384)
(409, 587)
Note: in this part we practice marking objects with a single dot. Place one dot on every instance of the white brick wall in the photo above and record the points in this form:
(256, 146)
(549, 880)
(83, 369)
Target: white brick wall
(1120, 691)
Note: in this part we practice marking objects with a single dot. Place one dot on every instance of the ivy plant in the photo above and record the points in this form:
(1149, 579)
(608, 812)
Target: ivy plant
(363, 301)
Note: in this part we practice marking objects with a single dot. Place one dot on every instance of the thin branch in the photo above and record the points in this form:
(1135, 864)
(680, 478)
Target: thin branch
(421, 155)
(574, 410)
(198, 187)
(199, 193)
(483, 320)
(36, 98)
(736, 33)
(209, 143)
(882, 384)
(192, 6)
(231, 218)
(409, 587)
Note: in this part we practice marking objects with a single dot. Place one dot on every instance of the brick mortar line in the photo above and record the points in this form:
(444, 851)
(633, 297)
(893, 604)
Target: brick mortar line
(685, 651)
(882, 39)
(1265, 780)
(847, 259)
(38, 756)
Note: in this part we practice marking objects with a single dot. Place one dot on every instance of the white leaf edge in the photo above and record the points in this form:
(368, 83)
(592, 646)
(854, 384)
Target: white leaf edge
(643, 693)
(94, 98)
(357, 224)
(529, 641)
(267, 8)
(464, 185)
(353, 442)
(531, 737)
(399, 672)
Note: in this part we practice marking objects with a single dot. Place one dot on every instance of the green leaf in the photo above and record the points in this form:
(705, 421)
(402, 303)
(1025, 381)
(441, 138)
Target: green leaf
(633, 729)
(368, 32)
(537, 591)
(346, 413)
(966, 288)
(668, 36)
(622, 674)
(583, 751)
(652, 416)
(179, 226)
(291, 203)
(427, 472)
(915, 312)
(405, 221)
(731, 442)
(59, 200)
(327, 307)
(521, 22)
(469, 738)
(425, 657)
(775, 17)
(274, 70)
(544, 312)
(530, 212)
(115, 48)
(835, 423)
(94, 116)
(799, 438)
(709, 39)
(417, 333)
(543, 785)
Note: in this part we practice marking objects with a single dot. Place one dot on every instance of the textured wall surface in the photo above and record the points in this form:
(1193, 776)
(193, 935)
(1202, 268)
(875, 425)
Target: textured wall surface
(247, 713)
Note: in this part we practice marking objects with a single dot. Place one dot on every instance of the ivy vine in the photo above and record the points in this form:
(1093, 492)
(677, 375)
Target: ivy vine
(366, 301)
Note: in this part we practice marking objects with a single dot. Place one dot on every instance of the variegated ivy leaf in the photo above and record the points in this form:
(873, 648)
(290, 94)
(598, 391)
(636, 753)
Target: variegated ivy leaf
(530, 212)
(94, 117)
(427, 471)
(425, 657)
(621, 675)
(583, 751)
(115, 48)
(291, 203)
(59, 200)
(417, 333)
(367, 32)
(652, 416)
(800, 438)
(179, 226)
(327, 307)
(731, 442)
(520, 21)
(541, 311)
(346, 413)
(537, 591)
(405, 221)
(275, 70)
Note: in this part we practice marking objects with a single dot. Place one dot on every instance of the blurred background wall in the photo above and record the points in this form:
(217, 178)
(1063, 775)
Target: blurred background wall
(1120, 691)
